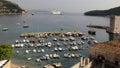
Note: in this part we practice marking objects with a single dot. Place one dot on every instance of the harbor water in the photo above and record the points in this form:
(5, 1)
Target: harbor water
(44, 21)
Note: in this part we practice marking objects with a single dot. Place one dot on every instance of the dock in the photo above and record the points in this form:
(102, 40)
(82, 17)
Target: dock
(98, 26)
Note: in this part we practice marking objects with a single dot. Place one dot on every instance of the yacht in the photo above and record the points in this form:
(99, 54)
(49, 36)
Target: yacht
(56, 12)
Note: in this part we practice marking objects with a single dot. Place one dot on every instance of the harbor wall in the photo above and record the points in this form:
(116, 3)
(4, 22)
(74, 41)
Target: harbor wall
(107, 55)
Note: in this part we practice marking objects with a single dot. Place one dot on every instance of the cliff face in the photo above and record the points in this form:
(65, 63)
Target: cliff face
(8, 7)
(112, 11)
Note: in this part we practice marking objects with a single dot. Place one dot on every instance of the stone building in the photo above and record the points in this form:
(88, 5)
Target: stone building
(107, 51)
(114, 24)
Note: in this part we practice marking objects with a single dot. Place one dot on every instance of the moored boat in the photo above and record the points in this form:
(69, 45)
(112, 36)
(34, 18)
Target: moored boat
(92, 32)
(29, 58)
(4, 29)
(57, 65)
(25, 25)
(38, 60)
(95, 41)
(48, 66)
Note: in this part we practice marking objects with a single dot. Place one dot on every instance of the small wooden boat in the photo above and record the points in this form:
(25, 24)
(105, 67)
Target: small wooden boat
(55, 56)
(29, 58)
(73, 55)
(67, 55)
(49, 44)
(34, 51)
(72, 38)
(25, 25)
(57, 65)
(42, 50)
(60, 49)
(38, 60)
(27, 51)
(76, 55)
(55, 49)
(43, 58)
(48, 66)
(54, 39)
(92, 32)
(95, 41)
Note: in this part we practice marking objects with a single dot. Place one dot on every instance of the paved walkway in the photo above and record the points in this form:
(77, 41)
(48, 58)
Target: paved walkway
(77, 65)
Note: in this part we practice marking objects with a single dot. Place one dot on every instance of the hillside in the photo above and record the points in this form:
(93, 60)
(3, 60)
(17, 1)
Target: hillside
(112, 11)
(8, 7)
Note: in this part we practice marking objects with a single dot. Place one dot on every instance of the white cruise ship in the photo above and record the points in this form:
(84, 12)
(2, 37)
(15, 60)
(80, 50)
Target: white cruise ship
(56, 12)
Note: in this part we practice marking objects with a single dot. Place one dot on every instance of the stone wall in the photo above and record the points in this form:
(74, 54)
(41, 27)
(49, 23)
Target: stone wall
(108, 55)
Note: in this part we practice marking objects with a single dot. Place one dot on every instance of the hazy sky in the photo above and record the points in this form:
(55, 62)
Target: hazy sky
(68, 5)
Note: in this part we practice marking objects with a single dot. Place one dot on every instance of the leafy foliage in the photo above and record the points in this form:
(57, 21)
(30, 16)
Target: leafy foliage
(6, 51)
(10, 6)
(112, 11)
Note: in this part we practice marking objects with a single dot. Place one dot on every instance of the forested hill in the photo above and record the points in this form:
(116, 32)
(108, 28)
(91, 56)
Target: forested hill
(112, 11)
(9, 7)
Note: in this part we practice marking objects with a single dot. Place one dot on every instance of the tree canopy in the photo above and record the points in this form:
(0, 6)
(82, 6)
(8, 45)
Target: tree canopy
(12, 7)
(6, 51)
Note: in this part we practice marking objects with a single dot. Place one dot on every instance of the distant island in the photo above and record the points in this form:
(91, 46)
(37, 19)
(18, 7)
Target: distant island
(8, 7)
(112, 11)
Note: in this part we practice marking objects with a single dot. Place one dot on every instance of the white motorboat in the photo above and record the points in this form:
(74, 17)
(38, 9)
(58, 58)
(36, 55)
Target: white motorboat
(56, 12)
(4, 29)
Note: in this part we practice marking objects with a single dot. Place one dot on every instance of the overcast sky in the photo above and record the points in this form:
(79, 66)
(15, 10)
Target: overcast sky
(68, 5)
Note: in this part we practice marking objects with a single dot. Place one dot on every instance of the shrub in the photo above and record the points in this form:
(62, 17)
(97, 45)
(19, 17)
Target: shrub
(6, 51)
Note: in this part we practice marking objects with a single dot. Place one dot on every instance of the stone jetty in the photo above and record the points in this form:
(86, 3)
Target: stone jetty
(45, 34)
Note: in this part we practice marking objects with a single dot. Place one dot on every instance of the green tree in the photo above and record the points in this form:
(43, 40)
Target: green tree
(112, 11)
(6, 51)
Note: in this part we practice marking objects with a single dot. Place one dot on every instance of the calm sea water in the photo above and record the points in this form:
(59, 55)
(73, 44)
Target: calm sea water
(43, 21)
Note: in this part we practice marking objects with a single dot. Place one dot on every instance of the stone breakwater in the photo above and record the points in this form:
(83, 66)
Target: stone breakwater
(45, 34)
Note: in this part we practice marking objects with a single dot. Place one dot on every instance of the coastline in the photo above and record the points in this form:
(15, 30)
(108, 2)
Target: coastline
(20, 13)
